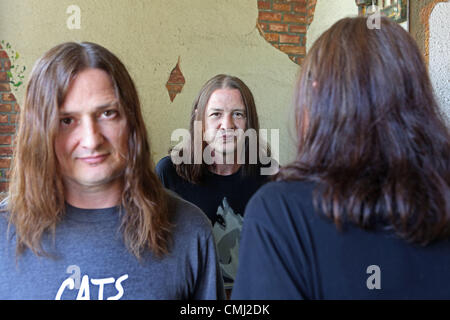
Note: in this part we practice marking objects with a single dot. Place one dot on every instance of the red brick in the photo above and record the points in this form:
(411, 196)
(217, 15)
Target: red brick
(5, 140)
(4, 186)
(174, 87)
(296, 58)
(176, 77)
(4, 87)
(290, 49)
(3, 76)
(5, 108)
(300, 8)
(262, 26)
(7, 64)
(172, 95)
(6, 151)
(5, 163)
(3, 54)
(300, 60)
(303, 2)
(281, 7)
(16, 107)
(3, 119)
(286, 38)
(264, 5)
(7, 129)
(269, 16)
(294, 18)
(271, 37)
(8, 97)
(278, 27)
(13, 118)
(298, 29)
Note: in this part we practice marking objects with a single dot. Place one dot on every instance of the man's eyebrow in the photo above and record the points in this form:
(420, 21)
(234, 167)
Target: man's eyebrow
(96, 108)
(221, 109)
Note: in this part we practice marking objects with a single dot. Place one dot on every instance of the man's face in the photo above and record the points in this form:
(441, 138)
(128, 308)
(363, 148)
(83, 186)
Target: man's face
(224, 114)
(91, 144)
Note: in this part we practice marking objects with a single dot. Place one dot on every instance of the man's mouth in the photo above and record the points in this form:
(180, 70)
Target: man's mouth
(94, 159)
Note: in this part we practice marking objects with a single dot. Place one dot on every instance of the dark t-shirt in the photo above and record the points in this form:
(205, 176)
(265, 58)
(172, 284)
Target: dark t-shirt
(209, 195)
(289, 251)
(223, 199)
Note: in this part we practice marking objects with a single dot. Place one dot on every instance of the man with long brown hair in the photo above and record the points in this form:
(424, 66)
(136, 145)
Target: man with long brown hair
(222, 162)
(364, 210)
(83, 194)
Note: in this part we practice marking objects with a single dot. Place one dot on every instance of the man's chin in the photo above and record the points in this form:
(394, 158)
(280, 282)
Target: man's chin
(96, 180)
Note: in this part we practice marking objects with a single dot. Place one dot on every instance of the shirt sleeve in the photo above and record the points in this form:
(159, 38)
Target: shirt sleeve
(210, 282)
(268, 268)
(160, 169)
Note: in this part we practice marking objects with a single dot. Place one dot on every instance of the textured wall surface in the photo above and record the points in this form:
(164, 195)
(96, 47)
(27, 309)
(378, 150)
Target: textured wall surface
(326, 14)
(209, 37)
(439, 56)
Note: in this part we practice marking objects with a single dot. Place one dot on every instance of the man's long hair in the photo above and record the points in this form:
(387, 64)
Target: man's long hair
(370, 132)
(36, 199)
(194, 171)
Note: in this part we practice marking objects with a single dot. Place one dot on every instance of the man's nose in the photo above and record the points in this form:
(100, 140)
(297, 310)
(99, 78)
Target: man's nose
(91, 135)
(227, 122)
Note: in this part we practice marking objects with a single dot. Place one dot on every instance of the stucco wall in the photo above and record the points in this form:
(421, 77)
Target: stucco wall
(327, 13)
(439, 48)
(210, 37)
(207, 37)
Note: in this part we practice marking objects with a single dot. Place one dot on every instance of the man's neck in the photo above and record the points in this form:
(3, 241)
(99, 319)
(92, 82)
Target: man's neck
(93, 197)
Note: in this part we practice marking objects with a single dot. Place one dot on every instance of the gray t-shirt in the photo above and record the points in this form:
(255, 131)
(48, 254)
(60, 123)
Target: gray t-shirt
(90, 261)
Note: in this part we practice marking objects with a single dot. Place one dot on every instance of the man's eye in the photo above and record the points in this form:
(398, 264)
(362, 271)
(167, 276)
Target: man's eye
(215, 114)
(109, 113)
(239, 115)
(66, 121)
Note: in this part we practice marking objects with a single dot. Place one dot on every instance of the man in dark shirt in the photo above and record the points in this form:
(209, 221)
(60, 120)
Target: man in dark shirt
(228, 172)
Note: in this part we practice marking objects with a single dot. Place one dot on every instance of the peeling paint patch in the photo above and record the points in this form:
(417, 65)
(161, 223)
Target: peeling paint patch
(284, 24)
(176, 81)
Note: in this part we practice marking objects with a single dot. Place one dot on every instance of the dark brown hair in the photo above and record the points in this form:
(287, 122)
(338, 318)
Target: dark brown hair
(194, 172)
(370, 132)
(36, 198)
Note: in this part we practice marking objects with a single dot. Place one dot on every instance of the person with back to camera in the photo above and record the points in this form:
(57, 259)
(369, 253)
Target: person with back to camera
(364, 210)
(86, 216)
